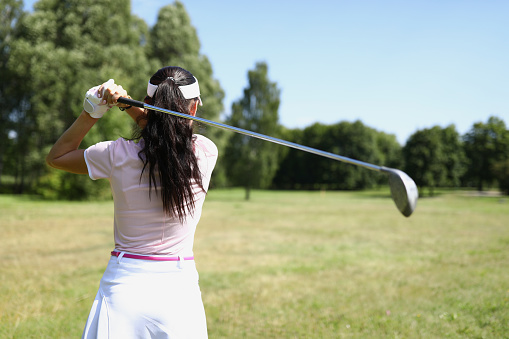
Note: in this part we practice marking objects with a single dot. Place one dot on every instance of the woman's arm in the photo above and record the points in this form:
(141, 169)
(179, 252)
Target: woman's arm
(65, 154)
(136, 114)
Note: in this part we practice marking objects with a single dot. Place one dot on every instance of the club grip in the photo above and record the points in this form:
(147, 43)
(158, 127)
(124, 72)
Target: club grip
(131, 102)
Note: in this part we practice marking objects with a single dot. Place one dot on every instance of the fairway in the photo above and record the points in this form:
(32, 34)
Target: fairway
(282, 265)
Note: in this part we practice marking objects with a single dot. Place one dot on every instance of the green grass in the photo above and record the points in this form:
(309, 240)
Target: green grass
(283, 265)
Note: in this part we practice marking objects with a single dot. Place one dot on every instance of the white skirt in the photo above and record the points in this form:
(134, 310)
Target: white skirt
(147, 299)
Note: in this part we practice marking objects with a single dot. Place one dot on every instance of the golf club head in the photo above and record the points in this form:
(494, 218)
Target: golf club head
(403, 190)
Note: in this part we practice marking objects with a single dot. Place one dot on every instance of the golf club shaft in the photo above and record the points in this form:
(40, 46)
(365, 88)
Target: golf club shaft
(254, 135)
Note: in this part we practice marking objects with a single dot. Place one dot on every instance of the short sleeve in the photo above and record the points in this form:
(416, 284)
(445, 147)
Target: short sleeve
(99, 159)
(206, 146)
(206, 152)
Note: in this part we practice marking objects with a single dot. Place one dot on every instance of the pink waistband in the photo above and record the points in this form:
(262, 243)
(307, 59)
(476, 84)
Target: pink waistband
(146, 257)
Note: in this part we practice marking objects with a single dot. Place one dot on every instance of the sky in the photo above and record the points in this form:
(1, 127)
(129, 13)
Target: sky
(397, 66)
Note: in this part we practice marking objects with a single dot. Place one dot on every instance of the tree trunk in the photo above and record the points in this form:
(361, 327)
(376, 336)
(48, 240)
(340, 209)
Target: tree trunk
(1, 166)
(480, 185)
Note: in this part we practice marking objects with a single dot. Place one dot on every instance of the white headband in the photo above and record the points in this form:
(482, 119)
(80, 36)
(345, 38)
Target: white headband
(188, 91)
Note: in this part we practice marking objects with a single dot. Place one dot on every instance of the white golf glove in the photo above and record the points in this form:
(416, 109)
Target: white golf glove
(92, 103)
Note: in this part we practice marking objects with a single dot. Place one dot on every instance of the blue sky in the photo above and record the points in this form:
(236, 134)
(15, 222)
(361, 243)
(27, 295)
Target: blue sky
(398, 66)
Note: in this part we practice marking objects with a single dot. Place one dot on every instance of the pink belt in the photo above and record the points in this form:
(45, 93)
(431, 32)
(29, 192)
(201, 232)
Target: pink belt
(146, 257)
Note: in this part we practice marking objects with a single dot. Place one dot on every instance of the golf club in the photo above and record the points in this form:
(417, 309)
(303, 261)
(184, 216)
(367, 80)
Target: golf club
(403, 189)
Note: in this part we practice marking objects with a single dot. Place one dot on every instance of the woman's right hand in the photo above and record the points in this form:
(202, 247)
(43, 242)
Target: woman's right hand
(110, 92)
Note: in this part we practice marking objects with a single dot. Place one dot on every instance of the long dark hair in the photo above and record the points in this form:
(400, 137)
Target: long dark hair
(168, 150)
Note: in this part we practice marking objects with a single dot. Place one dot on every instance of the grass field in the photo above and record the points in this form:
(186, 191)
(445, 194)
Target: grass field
(283, 265)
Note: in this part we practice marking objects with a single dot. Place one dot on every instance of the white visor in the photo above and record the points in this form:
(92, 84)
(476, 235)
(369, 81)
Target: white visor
(188, 91)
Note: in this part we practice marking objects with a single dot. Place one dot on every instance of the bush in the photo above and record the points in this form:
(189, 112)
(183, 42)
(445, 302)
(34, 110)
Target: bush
(58, 185)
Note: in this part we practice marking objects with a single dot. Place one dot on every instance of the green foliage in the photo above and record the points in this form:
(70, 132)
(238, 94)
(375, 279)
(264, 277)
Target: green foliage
(173, 35)
(434, 157)
(60, 185)
(252, 163)
(301, 170)
(63, 48)
(55, 54)
(10, 14)
(501, 172)
(49, 58)
(173, 41)
(454, 159)
(485, 145)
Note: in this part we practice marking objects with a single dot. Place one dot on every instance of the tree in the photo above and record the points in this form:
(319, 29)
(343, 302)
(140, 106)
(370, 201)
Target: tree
(434, 157)
(358, 141)
(485, 145)
(174, 41)
(290, 173)
(51, 57)
(252, 163)
(64, 48)
(301, 170)
(454, 156)
(10, 14)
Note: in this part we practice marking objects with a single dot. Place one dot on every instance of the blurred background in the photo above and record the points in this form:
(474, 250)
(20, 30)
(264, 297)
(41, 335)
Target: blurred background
(419, 86)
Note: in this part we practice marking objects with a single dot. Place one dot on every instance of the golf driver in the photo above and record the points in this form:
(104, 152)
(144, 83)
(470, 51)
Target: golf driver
(403, 189)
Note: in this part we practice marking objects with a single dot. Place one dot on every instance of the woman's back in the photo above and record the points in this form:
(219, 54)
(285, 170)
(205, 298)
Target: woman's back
(141, 224)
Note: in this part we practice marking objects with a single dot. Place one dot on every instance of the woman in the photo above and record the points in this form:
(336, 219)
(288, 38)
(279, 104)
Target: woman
(150, 286)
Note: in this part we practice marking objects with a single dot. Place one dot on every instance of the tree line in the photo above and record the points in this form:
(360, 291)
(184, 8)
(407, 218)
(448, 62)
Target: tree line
(434, 157)
(50, 57)
(48, 60)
